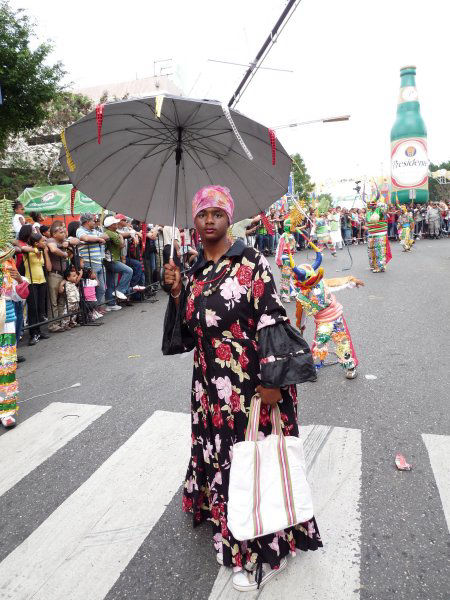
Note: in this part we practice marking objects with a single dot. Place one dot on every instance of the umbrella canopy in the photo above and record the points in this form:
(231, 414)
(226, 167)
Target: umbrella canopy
(55, 200)
(157, 149)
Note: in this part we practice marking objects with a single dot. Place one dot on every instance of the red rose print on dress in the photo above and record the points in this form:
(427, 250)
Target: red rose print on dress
(243, 360)
(189, 309)
(215, 512)
(217, 416)
(237, 331)
(264, 417)
(205, 405)
(244, 275)
(258, 288)
(203, 362)
(197, 289)
(224, 528)
(235, 402)
(187, 504)
(223, 352)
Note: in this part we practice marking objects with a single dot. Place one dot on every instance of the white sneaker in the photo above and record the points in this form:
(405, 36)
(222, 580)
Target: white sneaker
(114, 307)
(119, 295)
(351, 373)
(139, 288)
(96, 315)
(243, 581)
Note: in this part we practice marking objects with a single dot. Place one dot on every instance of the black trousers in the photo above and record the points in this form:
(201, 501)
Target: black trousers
(36, 306)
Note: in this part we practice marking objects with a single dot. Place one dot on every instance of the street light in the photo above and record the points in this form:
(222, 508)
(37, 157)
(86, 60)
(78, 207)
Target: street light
(327, 120)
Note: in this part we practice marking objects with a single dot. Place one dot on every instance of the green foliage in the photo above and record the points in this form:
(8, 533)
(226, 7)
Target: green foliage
(324, 203)
(303, 186)
(437, 191)
(34, 160)
(63, 110)
(28, 83)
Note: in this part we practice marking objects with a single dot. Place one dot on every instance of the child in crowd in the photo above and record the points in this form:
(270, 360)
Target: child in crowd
(69, 285)
(89, 283)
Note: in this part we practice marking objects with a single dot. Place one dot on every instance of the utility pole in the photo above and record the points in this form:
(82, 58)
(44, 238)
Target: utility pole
(265, 49)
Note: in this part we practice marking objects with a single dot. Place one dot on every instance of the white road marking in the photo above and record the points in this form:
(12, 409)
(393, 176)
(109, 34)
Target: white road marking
(438, 447)
(36, 439)
(84, 545)
(333, 457)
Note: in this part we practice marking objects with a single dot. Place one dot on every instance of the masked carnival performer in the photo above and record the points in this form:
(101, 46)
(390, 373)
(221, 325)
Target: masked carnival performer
(377, 239)
(285, 249)
(228, 311)
(314, 298)
(323, 235)
(406, 220)
(12, 289)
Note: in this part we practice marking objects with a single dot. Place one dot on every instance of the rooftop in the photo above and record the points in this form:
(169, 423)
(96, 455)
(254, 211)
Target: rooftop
(137, 88)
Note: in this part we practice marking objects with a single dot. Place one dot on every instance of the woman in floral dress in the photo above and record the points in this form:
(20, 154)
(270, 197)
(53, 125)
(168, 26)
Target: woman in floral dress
(228, 310)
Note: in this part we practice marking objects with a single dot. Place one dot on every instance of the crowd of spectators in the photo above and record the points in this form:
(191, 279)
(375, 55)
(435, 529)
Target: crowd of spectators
(78, 272)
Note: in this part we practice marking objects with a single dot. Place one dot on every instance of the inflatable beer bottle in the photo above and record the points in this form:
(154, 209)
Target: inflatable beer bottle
(409, 157)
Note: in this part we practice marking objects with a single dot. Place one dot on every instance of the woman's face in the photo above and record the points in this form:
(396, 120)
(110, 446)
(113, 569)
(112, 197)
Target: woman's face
(212, 224)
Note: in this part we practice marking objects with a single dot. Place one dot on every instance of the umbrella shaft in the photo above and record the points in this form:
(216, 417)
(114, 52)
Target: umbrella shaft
(178, 153)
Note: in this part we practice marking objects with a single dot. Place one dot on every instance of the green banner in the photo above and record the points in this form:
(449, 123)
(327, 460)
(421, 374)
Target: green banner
(55, 200)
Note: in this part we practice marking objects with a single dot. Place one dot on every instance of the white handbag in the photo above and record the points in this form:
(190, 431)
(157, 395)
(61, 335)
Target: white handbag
(268, 489)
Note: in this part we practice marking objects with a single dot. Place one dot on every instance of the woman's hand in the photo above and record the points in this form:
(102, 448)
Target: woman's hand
(172, 277)
(269, 395)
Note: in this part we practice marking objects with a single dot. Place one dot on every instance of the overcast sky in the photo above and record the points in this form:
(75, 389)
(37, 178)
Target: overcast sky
(346, 56)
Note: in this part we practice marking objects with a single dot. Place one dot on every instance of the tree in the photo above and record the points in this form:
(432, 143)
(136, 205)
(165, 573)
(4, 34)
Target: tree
(33, 160)
(303, 186)
(437, 191)
(28, 84)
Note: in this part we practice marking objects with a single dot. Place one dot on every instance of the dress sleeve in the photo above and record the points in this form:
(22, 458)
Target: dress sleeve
(284, 356)
(176, 335)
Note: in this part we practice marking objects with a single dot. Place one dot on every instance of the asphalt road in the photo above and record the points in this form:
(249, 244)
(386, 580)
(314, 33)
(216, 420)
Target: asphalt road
(400, 327)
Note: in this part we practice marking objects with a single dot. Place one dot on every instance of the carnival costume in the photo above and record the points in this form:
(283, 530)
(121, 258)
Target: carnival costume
(378, 246)
(286, 247)
(323, 235)
(10, 291)
(315, 298)
(407, 222)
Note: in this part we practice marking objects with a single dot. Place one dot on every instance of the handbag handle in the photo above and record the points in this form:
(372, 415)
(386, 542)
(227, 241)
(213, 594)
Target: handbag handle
(251, 435)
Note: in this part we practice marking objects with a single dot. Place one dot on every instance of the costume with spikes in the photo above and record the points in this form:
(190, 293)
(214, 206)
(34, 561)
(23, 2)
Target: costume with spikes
(378, 246)
(314, 298)
(10, 291)
(286, 247)
(406, 220)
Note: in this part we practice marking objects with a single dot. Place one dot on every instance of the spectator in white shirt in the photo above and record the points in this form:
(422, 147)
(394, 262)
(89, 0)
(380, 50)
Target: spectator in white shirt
(18, 219)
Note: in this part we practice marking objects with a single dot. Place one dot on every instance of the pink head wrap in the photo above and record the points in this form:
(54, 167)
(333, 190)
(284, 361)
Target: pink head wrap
(213, 196)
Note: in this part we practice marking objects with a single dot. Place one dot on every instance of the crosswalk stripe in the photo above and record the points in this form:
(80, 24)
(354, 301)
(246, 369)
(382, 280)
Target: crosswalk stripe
(333, 457)
(36, 439)
(438, 447)
(84, 545)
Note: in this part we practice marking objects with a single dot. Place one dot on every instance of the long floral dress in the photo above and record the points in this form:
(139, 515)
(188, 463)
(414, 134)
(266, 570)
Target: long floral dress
(231, 314)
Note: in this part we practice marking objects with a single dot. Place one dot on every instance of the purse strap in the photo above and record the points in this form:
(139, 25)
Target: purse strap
(251, 435)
